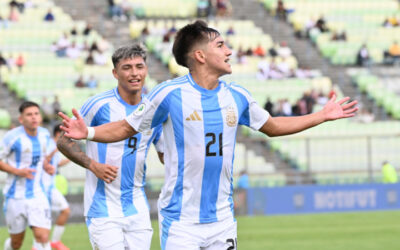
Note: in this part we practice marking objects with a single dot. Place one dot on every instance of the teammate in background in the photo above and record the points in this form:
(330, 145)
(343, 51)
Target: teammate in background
(116, 208)
(200, 115)
(389, 173)
(57, 201)
(23, 156)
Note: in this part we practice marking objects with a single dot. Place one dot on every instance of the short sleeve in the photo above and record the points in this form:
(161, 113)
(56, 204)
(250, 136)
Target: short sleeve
(258, 115)
(149, 114)
(159, 139)
(5, 150)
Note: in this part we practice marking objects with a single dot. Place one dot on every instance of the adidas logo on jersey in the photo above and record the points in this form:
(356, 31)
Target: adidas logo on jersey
(194, 117)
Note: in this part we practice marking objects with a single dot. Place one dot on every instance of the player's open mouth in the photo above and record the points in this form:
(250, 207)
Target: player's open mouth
(134, 81)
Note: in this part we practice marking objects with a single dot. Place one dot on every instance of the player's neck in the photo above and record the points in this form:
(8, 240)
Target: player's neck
(204, 79)
(130, 98)
(30, 132)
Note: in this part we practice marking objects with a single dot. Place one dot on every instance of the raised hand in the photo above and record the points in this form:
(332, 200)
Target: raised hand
(105, 172)
(74, 128)
(336, 110)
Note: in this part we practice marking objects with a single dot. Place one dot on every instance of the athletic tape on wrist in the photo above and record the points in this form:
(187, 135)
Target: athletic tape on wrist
(90, 133)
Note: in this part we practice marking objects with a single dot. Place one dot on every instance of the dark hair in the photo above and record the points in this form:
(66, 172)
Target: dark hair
(27, 104)
(129, 51)
(56, 129)
(188, 37)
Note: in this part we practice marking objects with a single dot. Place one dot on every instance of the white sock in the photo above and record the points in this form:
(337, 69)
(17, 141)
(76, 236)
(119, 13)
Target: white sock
(57, 233)
(7, 244)
(41, 246)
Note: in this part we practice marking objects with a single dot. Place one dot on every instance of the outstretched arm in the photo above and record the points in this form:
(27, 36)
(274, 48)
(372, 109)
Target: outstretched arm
(73, 152)
(276, 126)
(110, 132)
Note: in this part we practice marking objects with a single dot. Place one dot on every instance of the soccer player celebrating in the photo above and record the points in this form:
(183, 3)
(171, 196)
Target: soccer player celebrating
(58, 203)
(22, 156)
(116, 209)
(200, 115)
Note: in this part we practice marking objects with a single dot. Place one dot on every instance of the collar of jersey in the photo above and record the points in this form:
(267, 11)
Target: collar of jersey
(201, 89)
(119, 98)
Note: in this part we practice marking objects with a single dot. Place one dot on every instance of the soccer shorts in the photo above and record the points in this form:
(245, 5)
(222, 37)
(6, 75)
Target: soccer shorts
(57, 200)
(21, 213)
(131, 232)
(176, 235)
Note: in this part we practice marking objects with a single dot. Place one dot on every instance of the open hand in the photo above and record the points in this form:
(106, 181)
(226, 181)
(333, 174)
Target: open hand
(336, 110)
(73, 128)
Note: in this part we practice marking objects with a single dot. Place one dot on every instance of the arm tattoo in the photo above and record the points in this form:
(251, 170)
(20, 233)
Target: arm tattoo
(72, 151)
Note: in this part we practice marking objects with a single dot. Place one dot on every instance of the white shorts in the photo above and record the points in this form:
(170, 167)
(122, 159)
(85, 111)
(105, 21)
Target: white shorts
(176, 235)
(131, 232)
(57, 201)
(21, 213)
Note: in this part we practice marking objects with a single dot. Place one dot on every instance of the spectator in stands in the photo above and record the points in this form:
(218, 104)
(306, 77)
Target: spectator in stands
(283, 50)
(243, 181)
(20, 62)
(365, 116)
(241, 56)
(49, 17)
(92, 82)
(80, 83)
(363, 58)
(56, 106)
(322, 99)
(114, 10)
(100, 58)
(73, 51)
(286, 108)
(74, 31)
(387, 23)
(3, 61)
(269, 106)
(284, 68)
(127, 10)
(259, 51)
(10, 62)
(47, 110)
(321, 24)
(17, 5)
(389, 173)
(230, 31)
(223, 8)
(94, 47)
(62, 44)
(87, 29)
(392, 56)
(89, 59)
(281, 10)
(336, 36)
(13, 16)
(203, 8)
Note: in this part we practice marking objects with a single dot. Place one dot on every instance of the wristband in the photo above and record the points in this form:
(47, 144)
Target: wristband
(90, 133)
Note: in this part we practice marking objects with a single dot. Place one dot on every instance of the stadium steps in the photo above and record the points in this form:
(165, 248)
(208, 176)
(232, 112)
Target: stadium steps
(261, 148)
(9, 102)
(307, 55)
(116, 32)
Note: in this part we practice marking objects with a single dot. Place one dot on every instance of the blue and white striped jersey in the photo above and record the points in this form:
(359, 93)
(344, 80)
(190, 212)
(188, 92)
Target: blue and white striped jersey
(21, 150)
(199, 127)
(49, 180)
(118, 198)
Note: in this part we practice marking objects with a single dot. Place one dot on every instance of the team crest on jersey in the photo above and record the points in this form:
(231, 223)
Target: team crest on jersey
(27, 150)
(231, 118)
(140, 110)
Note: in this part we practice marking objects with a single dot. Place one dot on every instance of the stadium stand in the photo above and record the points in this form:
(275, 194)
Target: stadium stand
(362, 21)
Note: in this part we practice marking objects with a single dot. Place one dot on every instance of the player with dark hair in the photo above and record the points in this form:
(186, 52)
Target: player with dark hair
(116, 209)
(200, 115)
(23, 153)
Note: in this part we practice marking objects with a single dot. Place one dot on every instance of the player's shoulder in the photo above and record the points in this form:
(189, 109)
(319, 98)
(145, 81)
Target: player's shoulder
(13, 134)
(237, 88)
(97, 100)
(43, 131)
(168, 86)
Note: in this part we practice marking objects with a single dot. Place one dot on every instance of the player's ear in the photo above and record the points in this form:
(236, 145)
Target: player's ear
(199, 56)
(114, 71)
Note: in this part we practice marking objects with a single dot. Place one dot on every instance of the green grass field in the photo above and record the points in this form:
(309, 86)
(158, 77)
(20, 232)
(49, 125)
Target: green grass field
(339, 231)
